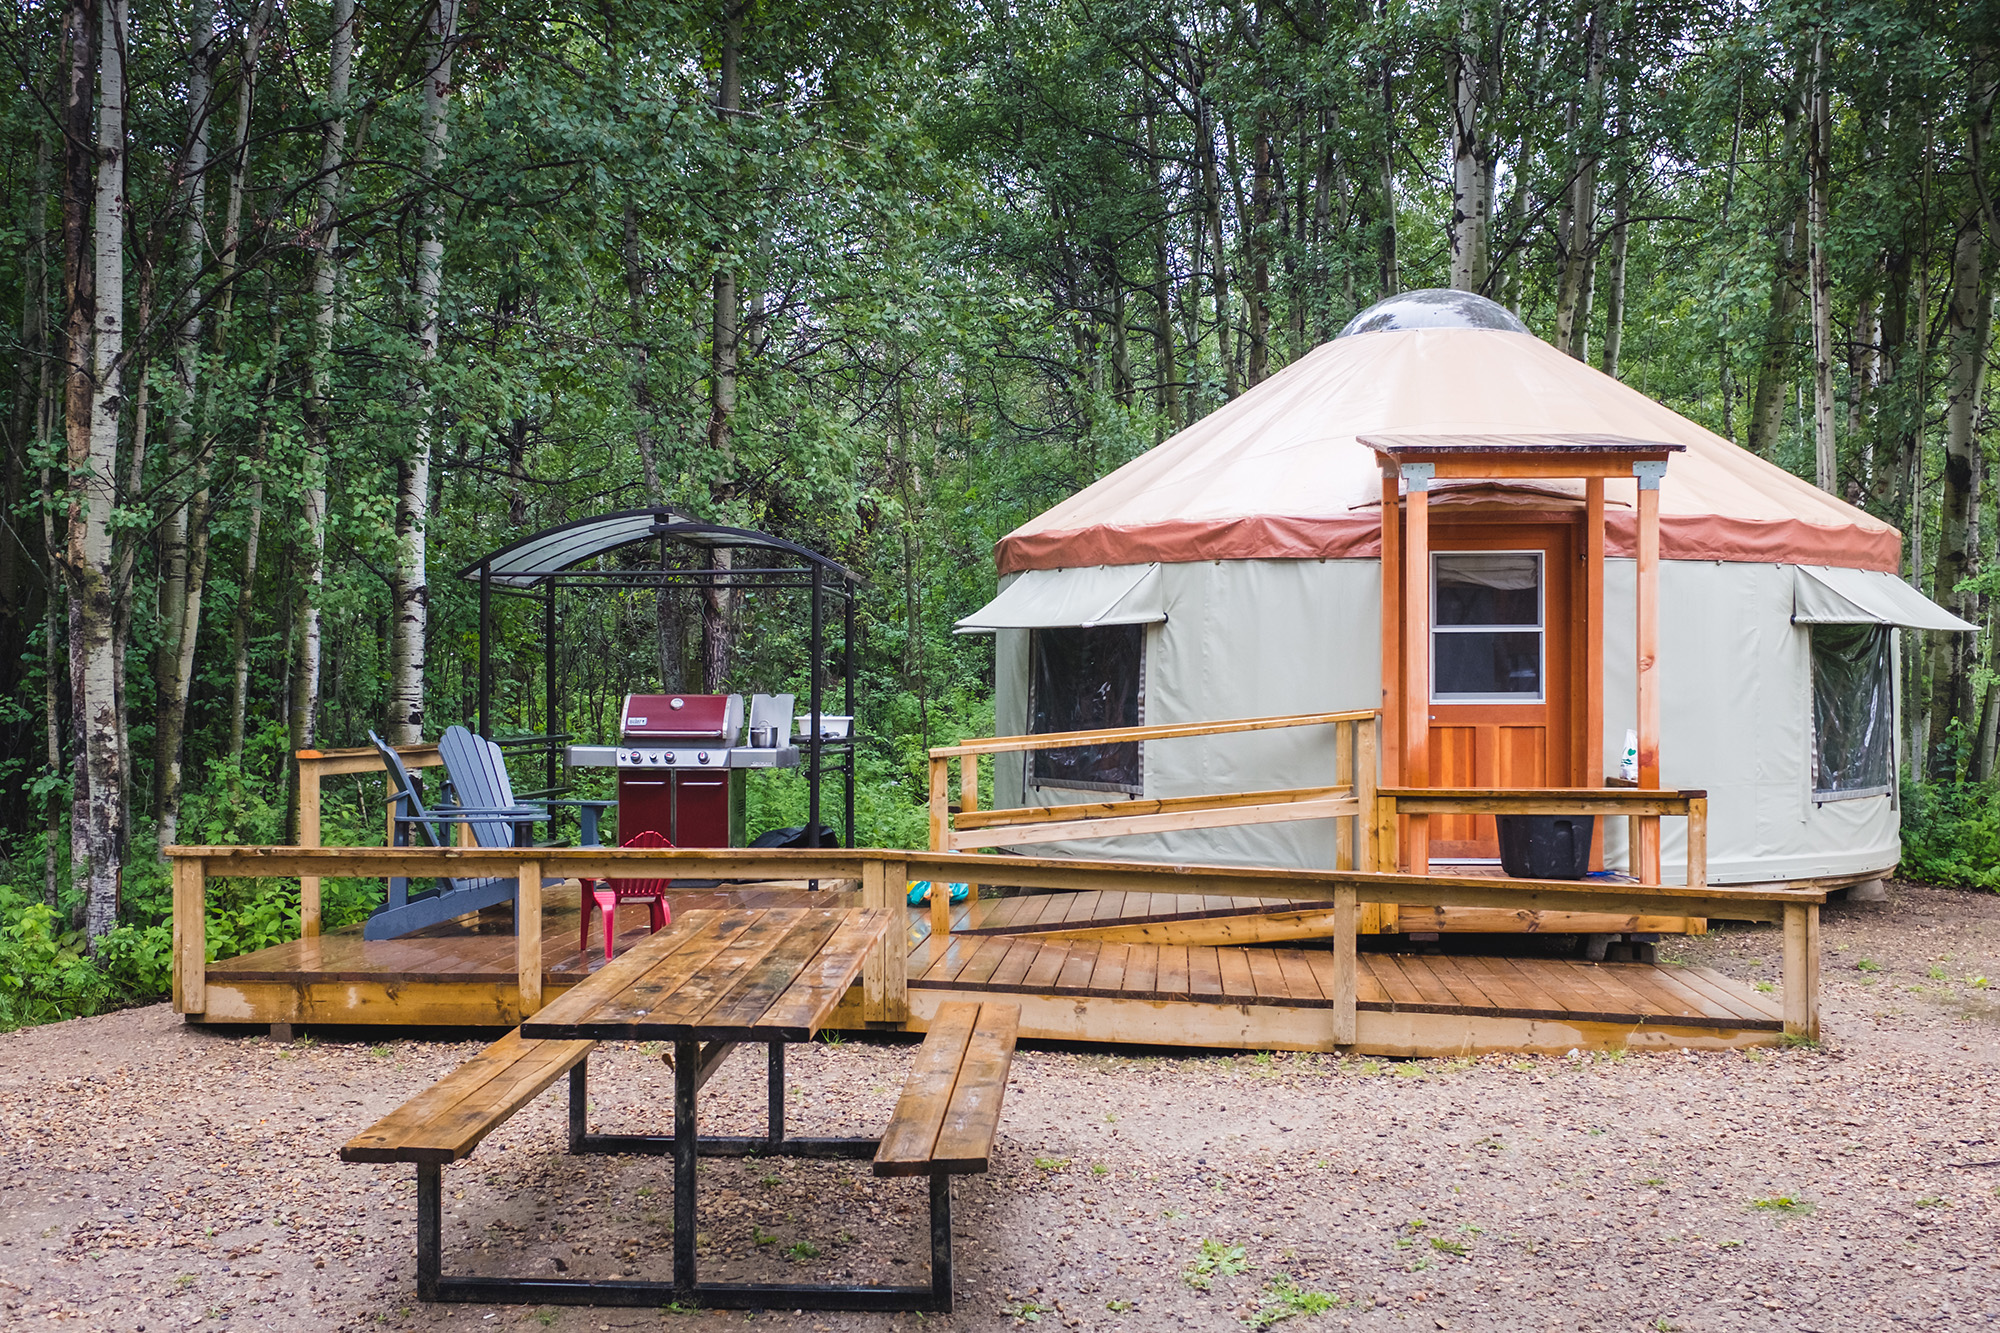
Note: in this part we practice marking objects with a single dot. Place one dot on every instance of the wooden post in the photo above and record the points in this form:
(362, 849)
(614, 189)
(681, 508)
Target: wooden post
(1385, 834)
(940, 802)
(874, 972)
(895, 1003)
(1392, 625)
(1593, 638)
(1648, 600)
(1345, 960)
(190, 935)
(1367, 855)
(968, 803)
(1417, 655)
(1344, 840)
(1802, 970)
(1697, 876)
(940, 910)
(309, 913)
(528, 937)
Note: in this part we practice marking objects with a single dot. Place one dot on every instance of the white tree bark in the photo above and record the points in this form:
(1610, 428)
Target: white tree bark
(410, 617)
(1819, 132)
(1469, 179)
(93, 619)
(169, 682)
(304, 709)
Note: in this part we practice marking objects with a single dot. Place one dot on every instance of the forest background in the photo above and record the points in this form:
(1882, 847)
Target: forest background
(311, 302)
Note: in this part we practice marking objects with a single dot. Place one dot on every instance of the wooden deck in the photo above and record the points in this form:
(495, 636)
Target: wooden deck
(1083, 968)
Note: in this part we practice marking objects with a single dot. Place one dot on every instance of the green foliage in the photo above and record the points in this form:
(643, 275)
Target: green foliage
(1951, 833)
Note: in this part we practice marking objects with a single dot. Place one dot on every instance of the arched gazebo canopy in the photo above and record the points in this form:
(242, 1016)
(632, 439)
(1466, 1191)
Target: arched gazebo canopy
(533, 560)
(541, 565)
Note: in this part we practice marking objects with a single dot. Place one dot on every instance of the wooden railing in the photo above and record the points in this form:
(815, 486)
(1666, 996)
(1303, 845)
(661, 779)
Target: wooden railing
(883, 872)
(1349, 801)
(1643, 807)
(317, 764)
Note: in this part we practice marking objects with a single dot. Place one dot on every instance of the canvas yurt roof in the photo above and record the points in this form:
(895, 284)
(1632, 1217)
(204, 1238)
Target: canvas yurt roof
(1281, 472)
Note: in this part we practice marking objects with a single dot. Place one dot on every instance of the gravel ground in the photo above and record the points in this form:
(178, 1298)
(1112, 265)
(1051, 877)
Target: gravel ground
(158, 1177)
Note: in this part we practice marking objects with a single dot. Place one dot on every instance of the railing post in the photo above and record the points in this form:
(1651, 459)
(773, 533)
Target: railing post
(895, 945)
(940, 803)
(190, 935)
(1367, 748)
(1697, 858)
(1344, 841)
(528, 937)
(1386, 858)
(1346, 957)
(309, 912)
(875, 969)
(968, 803)
(1802, 971)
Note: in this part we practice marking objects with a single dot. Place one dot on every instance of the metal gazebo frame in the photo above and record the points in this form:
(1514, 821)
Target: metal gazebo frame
(539, 566)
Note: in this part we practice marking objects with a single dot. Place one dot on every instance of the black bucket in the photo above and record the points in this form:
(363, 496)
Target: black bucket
(1546, 846)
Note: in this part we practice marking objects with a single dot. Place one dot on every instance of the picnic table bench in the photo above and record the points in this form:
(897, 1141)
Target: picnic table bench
(944, 1124)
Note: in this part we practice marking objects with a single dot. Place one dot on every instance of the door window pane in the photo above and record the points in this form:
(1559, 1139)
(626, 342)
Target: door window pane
(1487, 633)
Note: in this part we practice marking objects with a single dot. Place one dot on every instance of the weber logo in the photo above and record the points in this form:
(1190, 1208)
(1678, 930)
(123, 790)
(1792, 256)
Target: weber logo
(635, 721)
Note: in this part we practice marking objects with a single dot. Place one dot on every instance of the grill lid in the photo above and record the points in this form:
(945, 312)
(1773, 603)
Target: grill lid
(709, 717)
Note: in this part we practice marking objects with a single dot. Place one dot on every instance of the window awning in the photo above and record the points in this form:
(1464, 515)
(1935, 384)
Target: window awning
(1066, 598)
(1824, 595)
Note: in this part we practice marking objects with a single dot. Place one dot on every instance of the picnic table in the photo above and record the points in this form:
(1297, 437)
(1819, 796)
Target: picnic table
(720, 977)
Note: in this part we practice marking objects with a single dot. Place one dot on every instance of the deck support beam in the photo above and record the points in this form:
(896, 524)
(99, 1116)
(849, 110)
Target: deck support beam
(1802, 971)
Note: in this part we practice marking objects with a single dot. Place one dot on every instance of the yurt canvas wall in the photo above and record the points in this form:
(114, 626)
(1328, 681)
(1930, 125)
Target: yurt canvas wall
(1248, 638)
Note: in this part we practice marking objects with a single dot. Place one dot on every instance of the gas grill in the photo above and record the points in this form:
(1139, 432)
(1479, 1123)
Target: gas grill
(680, 767)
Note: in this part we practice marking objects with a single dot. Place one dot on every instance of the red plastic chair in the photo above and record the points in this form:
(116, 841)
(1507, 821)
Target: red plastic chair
(604, 895)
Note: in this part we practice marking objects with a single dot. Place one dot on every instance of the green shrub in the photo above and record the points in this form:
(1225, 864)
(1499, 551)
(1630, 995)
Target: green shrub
(1951, 833)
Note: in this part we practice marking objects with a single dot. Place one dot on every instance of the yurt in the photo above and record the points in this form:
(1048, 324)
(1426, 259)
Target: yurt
(1235, 571)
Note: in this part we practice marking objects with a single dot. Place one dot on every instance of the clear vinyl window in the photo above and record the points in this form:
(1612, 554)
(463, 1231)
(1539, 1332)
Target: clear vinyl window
(1488, 639)
(1854, 711)
(1087, 680)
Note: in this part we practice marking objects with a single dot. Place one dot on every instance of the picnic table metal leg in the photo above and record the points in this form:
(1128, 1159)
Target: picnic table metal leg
(430, 1228)
(775, 1077)
(687, 1061)
(579, 1102)
(941, 1242)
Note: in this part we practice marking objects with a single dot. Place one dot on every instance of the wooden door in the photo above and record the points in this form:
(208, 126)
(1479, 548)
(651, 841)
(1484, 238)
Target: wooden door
(1501, 668)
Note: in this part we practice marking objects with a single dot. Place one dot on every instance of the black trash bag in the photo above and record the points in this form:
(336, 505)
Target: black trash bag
(795, 838)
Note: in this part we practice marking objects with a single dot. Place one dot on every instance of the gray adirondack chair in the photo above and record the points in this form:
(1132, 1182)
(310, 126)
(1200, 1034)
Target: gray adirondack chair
(477, 772)
(405, 912)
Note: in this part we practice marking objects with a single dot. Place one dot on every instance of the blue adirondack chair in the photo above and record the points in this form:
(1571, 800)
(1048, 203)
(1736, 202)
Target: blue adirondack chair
(477, 774)
(405, 912)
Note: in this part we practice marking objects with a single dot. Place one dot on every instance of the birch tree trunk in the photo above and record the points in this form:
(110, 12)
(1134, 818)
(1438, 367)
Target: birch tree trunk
(1767, 404)
(1614, 283)
(410, 615)
(172, 722)
(170, 687)
(1819, 131)
(718, 603)
(1968, 322)
(1466, 229)
(93, 457)
(1580, 254)
(303, 709)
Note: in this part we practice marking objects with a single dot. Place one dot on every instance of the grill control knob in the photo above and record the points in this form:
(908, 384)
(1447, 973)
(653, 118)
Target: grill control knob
(668, 757)
(701, 756)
